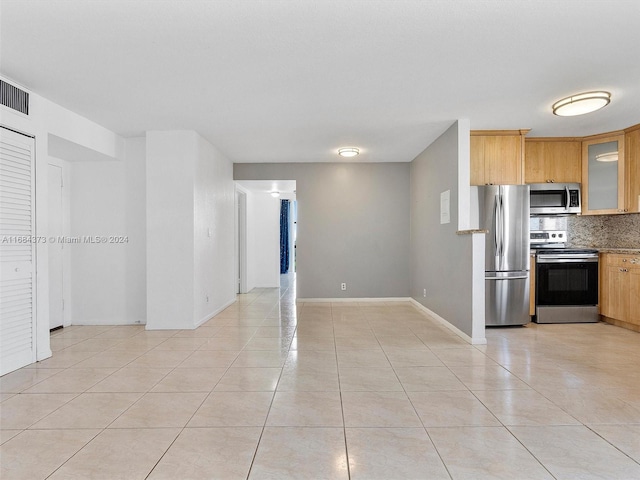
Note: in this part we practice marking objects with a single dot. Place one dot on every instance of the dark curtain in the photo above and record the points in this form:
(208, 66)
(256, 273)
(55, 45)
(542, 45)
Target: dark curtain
(284, 236)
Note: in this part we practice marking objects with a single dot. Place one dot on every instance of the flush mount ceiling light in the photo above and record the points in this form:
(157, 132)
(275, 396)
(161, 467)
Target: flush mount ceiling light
(581, 103)
(348, 152)
(607, 157)
(275, 194)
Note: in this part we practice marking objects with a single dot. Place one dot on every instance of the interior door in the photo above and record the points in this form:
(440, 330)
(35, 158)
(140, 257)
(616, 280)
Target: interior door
(56, 302)
(17, 251)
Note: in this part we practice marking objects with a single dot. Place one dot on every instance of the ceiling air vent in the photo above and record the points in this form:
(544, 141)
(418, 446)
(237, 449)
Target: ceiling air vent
(14, 98)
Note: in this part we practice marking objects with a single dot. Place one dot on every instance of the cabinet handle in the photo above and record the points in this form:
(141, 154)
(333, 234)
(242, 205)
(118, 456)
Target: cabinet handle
(624, 260)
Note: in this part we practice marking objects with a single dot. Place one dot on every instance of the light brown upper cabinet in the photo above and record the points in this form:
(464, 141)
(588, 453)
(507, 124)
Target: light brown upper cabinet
(632, 163)
(497, 157)
(603, 174)
(552, 160)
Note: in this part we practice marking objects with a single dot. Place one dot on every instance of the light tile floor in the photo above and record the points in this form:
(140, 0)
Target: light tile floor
(272, 390)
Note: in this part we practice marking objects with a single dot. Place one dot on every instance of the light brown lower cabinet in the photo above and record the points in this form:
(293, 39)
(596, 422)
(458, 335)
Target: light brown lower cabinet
(620, 290)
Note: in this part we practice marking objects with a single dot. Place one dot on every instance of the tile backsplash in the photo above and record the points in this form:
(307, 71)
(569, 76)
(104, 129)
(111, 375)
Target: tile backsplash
(604, 231)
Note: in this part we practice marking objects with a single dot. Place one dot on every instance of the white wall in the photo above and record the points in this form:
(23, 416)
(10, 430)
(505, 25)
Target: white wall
(214, 203)
(190, 192)
(136, 229)
(98, 270)
(45, 118)
(263, 231)
(170, 172)
(108, 280)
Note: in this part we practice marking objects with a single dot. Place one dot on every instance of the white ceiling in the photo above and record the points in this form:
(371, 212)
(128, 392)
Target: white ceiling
(293, 80)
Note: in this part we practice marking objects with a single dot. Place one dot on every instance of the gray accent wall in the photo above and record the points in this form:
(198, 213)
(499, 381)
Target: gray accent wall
(353, 226)
(442, 262)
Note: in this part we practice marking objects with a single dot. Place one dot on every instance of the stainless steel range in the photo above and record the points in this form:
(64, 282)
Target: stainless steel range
(566, 280)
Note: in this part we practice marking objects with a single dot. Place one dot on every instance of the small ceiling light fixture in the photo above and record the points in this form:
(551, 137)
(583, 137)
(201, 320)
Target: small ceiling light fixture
(348, 152)
(581, 103)
(275, 194)
(607, 157)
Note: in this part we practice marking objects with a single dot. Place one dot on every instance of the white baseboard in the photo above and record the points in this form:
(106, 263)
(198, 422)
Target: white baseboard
(43, 354)
(445, 323)
(116, 322)
(353, 300)
(209, 316)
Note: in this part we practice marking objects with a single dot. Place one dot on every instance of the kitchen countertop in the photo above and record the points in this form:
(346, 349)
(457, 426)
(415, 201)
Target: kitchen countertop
(472, 231)
(624, 251)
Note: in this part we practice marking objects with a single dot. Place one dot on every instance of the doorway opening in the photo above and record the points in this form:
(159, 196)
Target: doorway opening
(55, 248)
(241, 241)
(288, 223)
(266, 232)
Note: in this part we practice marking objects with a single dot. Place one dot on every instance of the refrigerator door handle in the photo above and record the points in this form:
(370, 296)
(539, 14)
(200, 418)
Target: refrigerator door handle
(519, 277)
(496, 233)
(501, 228)
(502, 222)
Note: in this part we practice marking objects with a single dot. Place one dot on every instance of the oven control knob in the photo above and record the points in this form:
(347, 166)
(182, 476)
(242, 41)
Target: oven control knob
(560, 235)
(553, 235)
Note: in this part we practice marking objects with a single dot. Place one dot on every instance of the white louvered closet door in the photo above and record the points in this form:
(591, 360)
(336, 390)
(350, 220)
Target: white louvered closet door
(17, 251)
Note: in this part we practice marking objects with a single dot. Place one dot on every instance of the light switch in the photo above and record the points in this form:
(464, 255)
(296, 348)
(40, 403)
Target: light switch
(445, 211)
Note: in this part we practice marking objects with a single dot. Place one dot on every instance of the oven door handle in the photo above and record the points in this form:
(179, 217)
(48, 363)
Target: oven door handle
(565, 259)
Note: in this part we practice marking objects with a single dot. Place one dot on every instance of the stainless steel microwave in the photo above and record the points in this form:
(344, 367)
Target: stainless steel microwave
(554, 198)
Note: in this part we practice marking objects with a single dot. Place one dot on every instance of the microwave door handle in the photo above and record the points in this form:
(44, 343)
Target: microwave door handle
(568, 200)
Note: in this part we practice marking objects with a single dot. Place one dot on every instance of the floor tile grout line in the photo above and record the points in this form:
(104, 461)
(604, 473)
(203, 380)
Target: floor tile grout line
(75, 453)
(266, 418)
(474, 393)
(344, 422)
(614, 446)
(530, 452)
(415, 411)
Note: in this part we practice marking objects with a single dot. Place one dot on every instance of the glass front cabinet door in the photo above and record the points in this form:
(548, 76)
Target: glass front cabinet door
(603, 175)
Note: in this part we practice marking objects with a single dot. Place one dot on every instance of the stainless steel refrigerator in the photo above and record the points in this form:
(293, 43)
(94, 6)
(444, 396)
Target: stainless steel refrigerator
(504, 212)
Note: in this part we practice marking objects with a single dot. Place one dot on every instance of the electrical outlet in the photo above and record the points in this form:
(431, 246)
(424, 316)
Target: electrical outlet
(343, 286)
(424, 292)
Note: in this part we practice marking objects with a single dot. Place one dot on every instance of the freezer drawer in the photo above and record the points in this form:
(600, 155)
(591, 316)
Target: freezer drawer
(507, 301)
